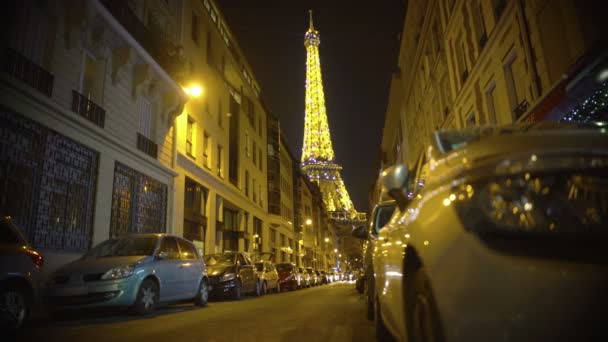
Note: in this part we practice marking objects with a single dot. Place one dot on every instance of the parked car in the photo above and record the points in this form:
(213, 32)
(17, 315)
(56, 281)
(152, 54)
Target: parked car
(289, 277)
(268, 276)
(314, 280)
(138, 271)
(20, 277)
(324, 277)
(500, 233)
(232, 273)
(305, 279)
(380, 216)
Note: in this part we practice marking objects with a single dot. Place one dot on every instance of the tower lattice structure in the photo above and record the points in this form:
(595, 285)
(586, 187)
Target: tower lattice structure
(317, 151)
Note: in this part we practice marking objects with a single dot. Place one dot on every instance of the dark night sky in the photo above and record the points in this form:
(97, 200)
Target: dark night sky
(358, 50)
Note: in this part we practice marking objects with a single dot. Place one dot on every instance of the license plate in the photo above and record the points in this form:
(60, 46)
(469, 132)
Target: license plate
(70, 291)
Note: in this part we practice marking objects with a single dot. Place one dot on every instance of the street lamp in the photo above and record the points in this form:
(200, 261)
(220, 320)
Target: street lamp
(308, 222)
(326, 239)
(194, 90)
(335, 250)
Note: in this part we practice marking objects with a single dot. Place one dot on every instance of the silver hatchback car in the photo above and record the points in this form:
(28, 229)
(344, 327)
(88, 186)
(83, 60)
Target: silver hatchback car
(137, 271)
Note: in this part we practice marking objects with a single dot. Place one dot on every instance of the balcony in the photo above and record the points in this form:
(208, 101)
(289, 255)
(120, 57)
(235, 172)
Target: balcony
(88, 109)
(164, 52)
(147, 146)
(27, 71)
(520, 110)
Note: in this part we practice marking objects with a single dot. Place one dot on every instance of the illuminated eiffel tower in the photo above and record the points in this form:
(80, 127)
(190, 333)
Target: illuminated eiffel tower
(317, 152)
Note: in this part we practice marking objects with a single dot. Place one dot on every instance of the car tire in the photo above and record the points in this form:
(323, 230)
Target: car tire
(15, 304)
(237, 290)
(421, 310)
(382, 333)
(147, 297)
(202, 296)
(258, 289)
(369, 296)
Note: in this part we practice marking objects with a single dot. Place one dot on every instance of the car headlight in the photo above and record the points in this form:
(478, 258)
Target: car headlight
(119, 272)
(570, 202)
(227, 277)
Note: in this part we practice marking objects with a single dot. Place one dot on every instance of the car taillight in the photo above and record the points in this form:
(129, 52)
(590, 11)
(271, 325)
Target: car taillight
(36, 257)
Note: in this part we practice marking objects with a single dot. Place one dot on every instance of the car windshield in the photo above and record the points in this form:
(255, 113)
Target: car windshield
(259, 266)
(284, 267)
(220, 259)
(128, 246)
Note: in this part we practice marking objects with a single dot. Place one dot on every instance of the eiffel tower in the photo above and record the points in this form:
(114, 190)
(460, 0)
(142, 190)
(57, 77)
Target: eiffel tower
(317, 151)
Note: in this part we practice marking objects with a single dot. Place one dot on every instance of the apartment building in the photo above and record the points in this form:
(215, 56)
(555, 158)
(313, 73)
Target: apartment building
(467, 63)
(87, 135)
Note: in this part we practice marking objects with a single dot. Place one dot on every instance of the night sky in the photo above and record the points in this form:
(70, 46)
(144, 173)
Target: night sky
(359, 48)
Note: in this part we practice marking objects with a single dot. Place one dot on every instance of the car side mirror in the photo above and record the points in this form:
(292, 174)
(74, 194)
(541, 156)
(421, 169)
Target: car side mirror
(360, 232)
(162, 255)
(394, 181)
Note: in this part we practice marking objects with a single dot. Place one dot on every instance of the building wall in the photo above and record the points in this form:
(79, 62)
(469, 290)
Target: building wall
(469, 63)
(76, 30)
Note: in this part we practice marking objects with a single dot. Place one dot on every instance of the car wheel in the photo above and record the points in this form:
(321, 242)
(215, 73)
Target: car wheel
(258, 289)
(382, 333)
(370, 294)
(14, 308)
(236, 291)
(202, 296)
(422, 314)
(147, 297)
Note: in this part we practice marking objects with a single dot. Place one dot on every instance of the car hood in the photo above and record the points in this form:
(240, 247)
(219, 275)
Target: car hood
(102, 264)
(219, 270)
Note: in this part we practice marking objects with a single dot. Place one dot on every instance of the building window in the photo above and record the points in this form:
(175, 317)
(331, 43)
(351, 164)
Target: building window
(144, 108)
(219, 161)
(139, 203)
(470, 120)
(479, 24)
(190, 137)
(219, 112)
(255, 153)
(209, 49)
(47, 184)
(195, 203)
(246, 183)
(247, 150)
(206, 149)
(253, 188)
(195, 29)
(89, 87)
(260, 159)
(513, 68)
(273, 235)
(491, 101)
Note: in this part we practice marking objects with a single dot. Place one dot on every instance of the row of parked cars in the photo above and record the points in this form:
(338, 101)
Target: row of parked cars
(137, 271)
(494, 234)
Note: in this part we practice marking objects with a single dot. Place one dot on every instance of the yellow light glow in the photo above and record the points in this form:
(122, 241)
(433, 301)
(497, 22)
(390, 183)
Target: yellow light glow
(452, 197)
(446, 201)
(308, 222)
(326, 239)
(335, 250)
(407, 236)
(426, 243)
(194, 90)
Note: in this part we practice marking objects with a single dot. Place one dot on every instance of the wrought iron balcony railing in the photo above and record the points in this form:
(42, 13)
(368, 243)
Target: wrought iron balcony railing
(147, 146)
(25, 70)
(88, 109)
(520, 110)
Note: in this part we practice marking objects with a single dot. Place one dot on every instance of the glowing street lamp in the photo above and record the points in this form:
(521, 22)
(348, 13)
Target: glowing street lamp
(326, 239)
(194, 90)
(308, 222)
(335, 250)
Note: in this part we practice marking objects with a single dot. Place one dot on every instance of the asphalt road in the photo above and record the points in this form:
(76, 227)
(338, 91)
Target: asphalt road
(333, 312)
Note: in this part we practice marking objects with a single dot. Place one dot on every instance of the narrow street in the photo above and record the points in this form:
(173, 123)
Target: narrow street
(333, 312)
